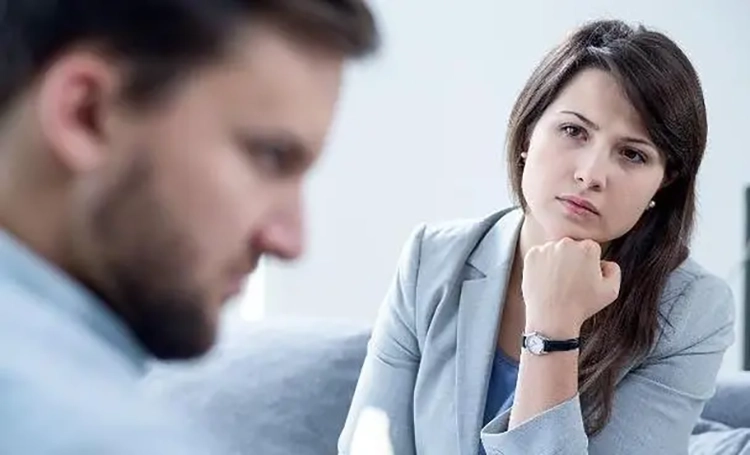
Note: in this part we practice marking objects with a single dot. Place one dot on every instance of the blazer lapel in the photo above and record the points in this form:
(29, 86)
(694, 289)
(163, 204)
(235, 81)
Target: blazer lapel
(480, 306)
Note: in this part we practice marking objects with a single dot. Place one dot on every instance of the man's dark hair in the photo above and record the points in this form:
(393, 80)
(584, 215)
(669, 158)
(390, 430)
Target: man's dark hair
(159, 41)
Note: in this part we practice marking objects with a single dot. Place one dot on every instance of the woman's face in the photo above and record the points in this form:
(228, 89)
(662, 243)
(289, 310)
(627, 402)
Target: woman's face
(591, 169)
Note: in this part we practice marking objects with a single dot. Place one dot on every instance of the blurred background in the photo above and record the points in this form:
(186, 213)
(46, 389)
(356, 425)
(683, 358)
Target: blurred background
(420, 135)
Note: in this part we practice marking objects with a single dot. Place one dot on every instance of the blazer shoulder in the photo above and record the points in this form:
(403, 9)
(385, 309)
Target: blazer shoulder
(431, 244)
(451, 242)
(436, 252)
(450, 235)
(696, 304)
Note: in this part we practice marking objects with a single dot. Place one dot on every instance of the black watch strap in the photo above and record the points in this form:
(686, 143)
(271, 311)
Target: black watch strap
(562, 345)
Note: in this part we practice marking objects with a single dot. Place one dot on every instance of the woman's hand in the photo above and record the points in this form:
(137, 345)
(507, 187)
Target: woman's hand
(564, 283)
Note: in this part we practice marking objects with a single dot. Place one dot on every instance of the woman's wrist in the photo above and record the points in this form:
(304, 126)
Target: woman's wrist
(553, 328)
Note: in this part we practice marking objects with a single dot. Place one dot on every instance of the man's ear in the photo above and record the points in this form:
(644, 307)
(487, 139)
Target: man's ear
(74, 97)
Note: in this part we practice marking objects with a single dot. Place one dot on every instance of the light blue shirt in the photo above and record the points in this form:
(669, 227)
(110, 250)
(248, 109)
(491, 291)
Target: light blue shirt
(69, 370)
(501, 388)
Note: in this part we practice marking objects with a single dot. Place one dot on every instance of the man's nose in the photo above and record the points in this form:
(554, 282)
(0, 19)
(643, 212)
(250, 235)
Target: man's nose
(283, 235)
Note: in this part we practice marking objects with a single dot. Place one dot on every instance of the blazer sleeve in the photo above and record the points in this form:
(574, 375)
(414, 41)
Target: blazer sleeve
(656, 404)
(381, 413)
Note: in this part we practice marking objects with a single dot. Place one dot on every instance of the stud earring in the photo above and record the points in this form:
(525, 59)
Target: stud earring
(651, 204)
(524, 155)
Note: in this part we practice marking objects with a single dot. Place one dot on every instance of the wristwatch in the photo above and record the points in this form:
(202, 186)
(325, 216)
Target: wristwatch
(538, 344)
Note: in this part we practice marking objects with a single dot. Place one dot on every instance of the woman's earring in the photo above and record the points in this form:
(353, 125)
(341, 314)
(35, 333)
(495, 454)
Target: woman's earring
(522, 159)
(651, 204)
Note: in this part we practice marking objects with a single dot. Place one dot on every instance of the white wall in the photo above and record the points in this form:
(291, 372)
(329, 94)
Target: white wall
(420, 136)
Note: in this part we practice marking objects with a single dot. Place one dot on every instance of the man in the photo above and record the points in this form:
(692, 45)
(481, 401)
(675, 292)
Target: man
(150, 153)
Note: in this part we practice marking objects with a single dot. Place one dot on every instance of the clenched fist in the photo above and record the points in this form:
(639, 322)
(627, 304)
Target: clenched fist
(564, 283)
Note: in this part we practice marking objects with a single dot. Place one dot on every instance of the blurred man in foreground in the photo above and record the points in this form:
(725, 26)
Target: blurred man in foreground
(150, 153)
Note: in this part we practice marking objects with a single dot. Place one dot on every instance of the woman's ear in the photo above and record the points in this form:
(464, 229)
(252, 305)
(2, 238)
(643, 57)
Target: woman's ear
(669, 178)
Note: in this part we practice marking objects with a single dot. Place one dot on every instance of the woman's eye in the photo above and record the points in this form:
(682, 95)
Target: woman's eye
(634, 156)
(573, 131)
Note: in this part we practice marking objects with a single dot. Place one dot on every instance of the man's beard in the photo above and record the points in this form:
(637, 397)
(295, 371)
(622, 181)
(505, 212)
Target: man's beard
(143, 264)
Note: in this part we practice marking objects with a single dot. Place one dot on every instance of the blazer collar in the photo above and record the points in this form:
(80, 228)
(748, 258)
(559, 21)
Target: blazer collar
(481, 300)
(498, 247)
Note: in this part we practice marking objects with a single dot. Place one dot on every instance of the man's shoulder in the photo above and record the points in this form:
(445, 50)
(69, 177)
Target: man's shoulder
(62, 393)
(38, 340)
(65, 409)
(36, 422)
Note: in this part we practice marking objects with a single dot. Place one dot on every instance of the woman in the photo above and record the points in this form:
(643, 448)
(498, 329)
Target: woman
(575, 324)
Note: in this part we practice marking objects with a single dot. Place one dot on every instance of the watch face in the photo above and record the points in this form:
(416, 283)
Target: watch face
(535, 344)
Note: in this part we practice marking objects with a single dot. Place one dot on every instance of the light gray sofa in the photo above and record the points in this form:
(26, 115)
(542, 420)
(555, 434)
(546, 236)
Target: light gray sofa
(280, 388)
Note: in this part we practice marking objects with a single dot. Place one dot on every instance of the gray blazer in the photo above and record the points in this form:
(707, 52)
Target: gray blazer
(430, 355)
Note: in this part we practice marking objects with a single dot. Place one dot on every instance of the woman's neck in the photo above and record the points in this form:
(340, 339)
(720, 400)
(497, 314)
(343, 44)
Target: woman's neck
(531, 235)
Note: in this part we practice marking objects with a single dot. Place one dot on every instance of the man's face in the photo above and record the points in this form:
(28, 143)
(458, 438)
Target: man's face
(185, 197)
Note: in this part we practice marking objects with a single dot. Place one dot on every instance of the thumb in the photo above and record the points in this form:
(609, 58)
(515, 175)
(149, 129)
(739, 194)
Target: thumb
(611, 276)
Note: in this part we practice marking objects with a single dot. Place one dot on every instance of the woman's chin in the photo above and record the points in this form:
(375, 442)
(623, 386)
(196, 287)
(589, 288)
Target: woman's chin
(558, 233)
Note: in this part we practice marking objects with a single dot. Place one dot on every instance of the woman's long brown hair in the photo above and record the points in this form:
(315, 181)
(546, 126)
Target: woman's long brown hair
(664, 88)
